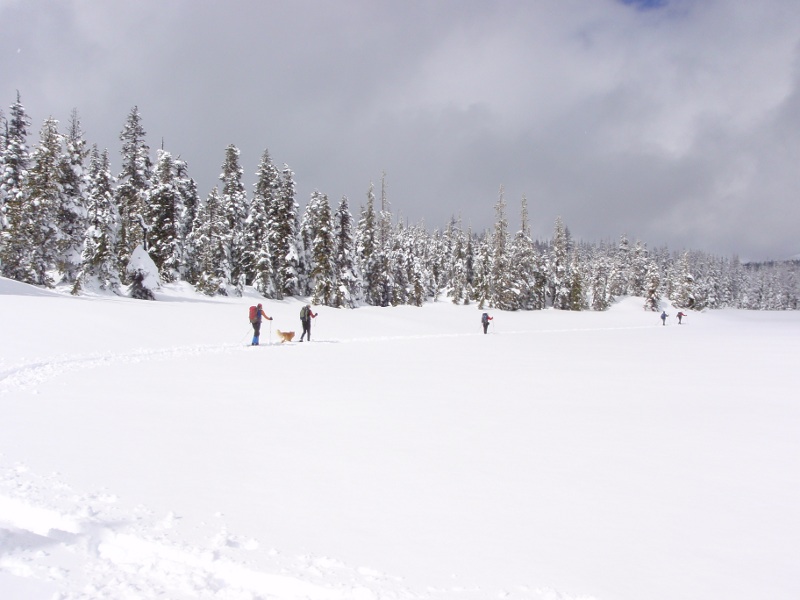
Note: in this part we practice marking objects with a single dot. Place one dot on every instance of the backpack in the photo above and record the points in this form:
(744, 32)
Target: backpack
(304, 313)
(253, 314)
(485, 318)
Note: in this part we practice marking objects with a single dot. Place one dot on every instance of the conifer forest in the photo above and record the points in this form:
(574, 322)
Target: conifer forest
(66, 220)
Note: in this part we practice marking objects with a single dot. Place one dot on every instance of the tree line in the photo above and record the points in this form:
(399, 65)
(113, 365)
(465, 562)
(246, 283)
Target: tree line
(66, 220)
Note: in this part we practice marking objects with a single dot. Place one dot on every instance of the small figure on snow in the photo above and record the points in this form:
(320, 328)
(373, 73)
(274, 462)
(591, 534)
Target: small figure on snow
(306, 314)
(255, 320)
(664, 316)
(680, 315)
(485, 318)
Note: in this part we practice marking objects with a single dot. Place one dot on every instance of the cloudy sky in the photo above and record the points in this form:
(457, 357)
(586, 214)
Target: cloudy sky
(674, 122)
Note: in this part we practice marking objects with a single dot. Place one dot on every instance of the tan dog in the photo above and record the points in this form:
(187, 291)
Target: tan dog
(285, 336)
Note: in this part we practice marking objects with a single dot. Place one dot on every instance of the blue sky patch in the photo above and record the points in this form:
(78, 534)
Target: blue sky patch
(646, 4)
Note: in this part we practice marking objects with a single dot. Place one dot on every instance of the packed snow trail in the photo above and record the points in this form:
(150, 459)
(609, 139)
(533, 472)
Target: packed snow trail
(26, 375)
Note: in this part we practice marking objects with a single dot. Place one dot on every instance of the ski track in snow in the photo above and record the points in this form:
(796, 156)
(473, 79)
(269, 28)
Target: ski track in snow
(26, 376)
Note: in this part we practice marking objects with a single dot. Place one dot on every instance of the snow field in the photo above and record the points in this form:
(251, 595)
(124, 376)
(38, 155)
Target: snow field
(146, 451)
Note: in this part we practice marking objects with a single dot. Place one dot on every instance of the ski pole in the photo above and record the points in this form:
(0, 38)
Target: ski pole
(270, 332)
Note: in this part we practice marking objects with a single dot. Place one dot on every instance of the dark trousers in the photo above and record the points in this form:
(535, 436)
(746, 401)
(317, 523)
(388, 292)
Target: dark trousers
(485, 326)
(306, 329)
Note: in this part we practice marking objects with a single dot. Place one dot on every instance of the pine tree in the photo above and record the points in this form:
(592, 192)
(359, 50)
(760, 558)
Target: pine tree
(523, 262)
(72, 212)
(163, 211)
(258, 258)
(42, 205)
(503, 290)
(319, 230)
(652, 286)
(577, 294)
(620, 273)
(283, 240)
(599, 287)
(559, 275)
(99, 264)
(469, 267)
(189, 204)
(235, 206)
(483, 274)
(210, 236)
(417, 274)
(348, 293)
(15, 234)
(382, 270)
(401, 263)
(133, 184)
(637, 277)
(3, 144)
(684, 285)
(368, 250)
(458, 269)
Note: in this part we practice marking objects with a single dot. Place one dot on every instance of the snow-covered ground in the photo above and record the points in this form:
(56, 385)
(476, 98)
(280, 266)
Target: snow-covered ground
(147, 451)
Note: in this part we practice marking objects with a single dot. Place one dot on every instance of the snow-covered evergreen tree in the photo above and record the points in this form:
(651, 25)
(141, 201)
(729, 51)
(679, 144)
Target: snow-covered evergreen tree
(559, 271)
(504, 291)
(348, 292)
(318, 229)
(210, 238)
(620, 272)
(459, 293)
(577, 292)
(637, 274)
(652, 286)
(482, 282)
(401, 264)
(99, 264)
(283, 238)
(133, 183)
(522, 263)
(3, 143)
(368, 250)
(42, 203)
(235, 206)
(143, 275)
(163, 211)
(15, 230)
(189, 203)
(258, 259)
(469, 267)
(72, 212)
(683, 295)
(382, 288)
(599, 286)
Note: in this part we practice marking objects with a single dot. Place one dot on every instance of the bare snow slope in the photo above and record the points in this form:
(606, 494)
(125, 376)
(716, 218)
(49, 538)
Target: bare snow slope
(147, 451)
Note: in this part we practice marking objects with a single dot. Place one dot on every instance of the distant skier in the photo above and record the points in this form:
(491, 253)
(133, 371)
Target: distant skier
(680, 315)
(255, 321)
(485, 318)
(306, 314)
(664, 316)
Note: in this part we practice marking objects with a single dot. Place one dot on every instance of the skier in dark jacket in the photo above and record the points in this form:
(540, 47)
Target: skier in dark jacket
(306, 314)
(664, 316)
(485, 318)
(256, 322)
